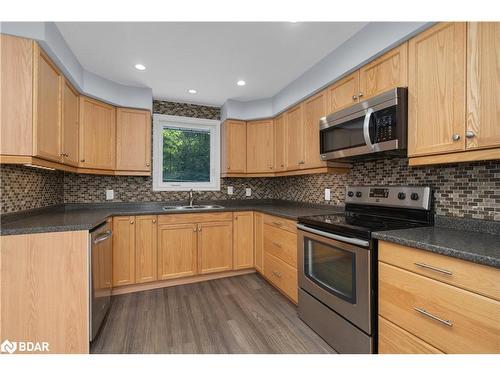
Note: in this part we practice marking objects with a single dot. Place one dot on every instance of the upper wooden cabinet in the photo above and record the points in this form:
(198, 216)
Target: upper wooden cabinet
(343, 93)
(233, 147)
(388, 71)
(260, 146)
(483, 85)
(314, 109)
(133, 140)
(294, 141)
(279, 143)
(97, 134)
(436, 90)
(243, 240)
(47, 108)
(70, 126)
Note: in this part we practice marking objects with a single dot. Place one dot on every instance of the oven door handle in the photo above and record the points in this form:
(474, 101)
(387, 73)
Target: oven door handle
(354, 241)
(366, 127)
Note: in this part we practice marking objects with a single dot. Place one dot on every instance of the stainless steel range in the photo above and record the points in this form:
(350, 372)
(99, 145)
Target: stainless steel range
(338, 259)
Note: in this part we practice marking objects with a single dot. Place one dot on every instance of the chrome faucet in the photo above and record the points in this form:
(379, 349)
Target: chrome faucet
(191, 198)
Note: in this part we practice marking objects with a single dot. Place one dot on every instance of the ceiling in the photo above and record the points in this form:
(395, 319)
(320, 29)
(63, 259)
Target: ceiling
(208, 57)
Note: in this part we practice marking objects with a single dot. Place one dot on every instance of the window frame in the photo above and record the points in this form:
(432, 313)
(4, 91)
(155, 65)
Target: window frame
(213, 126)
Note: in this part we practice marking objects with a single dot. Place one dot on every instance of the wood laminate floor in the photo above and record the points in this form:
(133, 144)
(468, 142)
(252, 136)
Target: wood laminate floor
(241, 314)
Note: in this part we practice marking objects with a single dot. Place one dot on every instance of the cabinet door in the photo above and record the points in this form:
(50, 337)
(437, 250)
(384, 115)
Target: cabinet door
(133, 140)
(294, 146)
(279, 143)
(234, 147)
(243, 240)
(388, 71)
(47, 124)
(145, 249)
(483, 80)
(70, 127)
(260, 146)
(259, 241)
(97, 134)
(436, 90)
(123, 250)
(177, 250)
(215, 246)
(314, 109)
(343, 93)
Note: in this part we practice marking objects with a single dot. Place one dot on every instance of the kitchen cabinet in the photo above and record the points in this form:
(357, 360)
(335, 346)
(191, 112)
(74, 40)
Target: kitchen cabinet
(123, 250)
(436, 90)
(233, 147)
(177, 250)
(47, 108)
(97, 134)
(133, 140)
(260, 146)
(279, 143)
(282, 275)
(314, 110)
(243, 240)
(294, 144)
(215, 246)
(70, 126)
(483, 88)
(343, 93)
(146, 248)
(388, 71)
(259, 242)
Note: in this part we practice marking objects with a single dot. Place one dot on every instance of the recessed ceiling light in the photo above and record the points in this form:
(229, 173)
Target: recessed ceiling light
(192, 91)
(140, 67)
(241, 83)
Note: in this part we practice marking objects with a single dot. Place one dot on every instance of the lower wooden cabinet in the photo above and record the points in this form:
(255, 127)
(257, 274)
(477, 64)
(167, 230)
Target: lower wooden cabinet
(243, 240)
(281, 275)
(145, 249)
(259, 242)
(123, 250)
(215, 246)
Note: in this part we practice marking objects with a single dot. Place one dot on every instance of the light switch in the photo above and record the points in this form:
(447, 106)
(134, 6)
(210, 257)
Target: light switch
(230, 190)
(328, 195)
(110, 195)
(248, 192)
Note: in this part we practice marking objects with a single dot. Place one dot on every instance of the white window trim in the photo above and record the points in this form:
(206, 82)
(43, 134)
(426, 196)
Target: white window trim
(159, 121)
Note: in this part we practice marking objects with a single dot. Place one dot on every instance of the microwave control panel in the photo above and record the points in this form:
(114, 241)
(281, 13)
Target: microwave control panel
(385, 124)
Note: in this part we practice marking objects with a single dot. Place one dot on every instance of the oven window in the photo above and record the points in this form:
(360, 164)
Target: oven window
(332, 268)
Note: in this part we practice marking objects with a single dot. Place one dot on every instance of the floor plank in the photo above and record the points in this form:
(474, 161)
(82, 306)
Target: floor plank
(240, 314)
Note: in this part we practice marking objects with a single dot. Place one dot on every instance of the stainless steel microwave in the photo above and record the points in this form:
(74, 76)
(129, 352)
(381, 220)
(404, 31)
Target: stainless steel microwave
(372, 129)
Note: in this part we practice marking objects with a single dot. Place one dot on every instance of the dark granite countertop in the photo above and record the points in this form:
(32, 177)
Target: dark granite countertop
(475, 246)
(74, 217)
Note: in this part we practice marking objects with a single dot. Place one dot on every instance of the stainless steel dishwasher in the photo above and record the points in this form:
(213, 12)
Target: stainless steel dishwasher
(101, 268)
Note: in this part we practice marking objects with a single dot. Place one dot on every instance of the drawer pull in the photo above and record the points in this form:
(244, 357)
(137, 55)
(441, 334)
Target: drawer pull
(423, 265)
(277, 274)
(277, 244)
(278, 223)
(428, 314)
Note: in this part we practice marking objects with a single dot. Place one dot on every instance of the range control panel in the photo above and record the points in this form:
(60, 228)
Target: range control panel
(391, 196)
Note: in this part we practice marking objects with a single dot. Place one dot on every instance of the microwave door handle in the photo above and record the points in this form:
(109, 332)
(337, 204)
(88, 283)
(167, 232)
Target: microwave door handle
(366, 127)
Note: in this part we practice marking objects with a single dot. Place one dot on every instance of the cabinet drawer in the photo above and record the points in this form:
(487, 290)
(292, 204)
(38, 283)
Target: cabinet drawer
(194, 218)
(281, 244)
(281, 223)
(465, 275)
(394, 340)
(451, 319)
(282, 275)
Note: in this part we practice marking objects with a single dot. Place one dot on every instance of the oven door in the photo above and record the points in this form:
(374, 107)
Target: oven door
(337, 271)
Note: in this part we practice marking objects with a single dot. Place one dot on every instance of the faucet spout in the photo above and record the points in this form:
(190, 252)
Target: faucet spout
(191, 198)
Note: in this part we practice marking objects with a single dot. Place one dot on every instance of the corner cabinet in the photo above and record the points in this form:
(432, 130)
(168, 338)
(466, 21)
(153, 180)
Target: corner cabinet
(123, 250)
(243, 240)
(70, 124)
(260, 146)
(294, 141)
(279, 143)
(233, 147)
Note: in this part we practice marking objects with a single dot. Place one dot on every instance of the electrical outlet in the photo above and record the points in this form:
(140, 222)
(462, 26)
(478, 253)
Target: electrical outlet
(110, 195)
(248, 192)
(328, 195)
(230, 190)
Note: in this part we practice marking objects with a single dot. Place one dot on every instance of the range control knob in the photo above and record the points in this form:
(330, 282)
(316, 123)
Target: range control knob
(414, 196)
(350, 193)
(401, 195)
(358, 194)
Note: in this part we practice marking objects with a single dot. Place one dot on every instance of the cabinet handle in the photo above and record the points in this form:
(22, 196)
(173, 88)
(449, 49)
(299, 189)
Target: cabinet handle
(277, 244)
(228, 168)
(154, 221)
(147, 164)
(278, 223)
(354, 97)
(360, 95)
(301, 162)
(469, 134)
(82, 160)
(277, 274)
(441, 270)
(455, 137)
(429, 315)
(131, 221)
(271, 167)
(195, 229)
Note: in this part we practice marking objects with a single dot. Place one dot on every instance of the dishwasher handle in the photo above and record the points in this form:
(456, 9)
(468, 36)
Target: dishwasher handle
(103, 236)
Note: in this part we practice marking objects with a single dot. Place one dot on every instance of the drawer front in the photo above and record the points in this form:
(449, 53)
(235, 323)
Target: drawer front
(282, 275)
(451, 319)
(465, 275)
(194, 218)
(278, 222)
(281, 244)
(394, 340)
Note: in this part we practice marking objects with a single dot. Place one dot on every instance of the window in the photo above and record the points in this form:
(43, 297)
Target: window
(186, 153)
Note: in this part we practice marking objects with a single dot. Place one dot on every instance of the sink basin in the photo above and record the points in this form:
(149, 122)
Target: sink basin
(193, 207)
